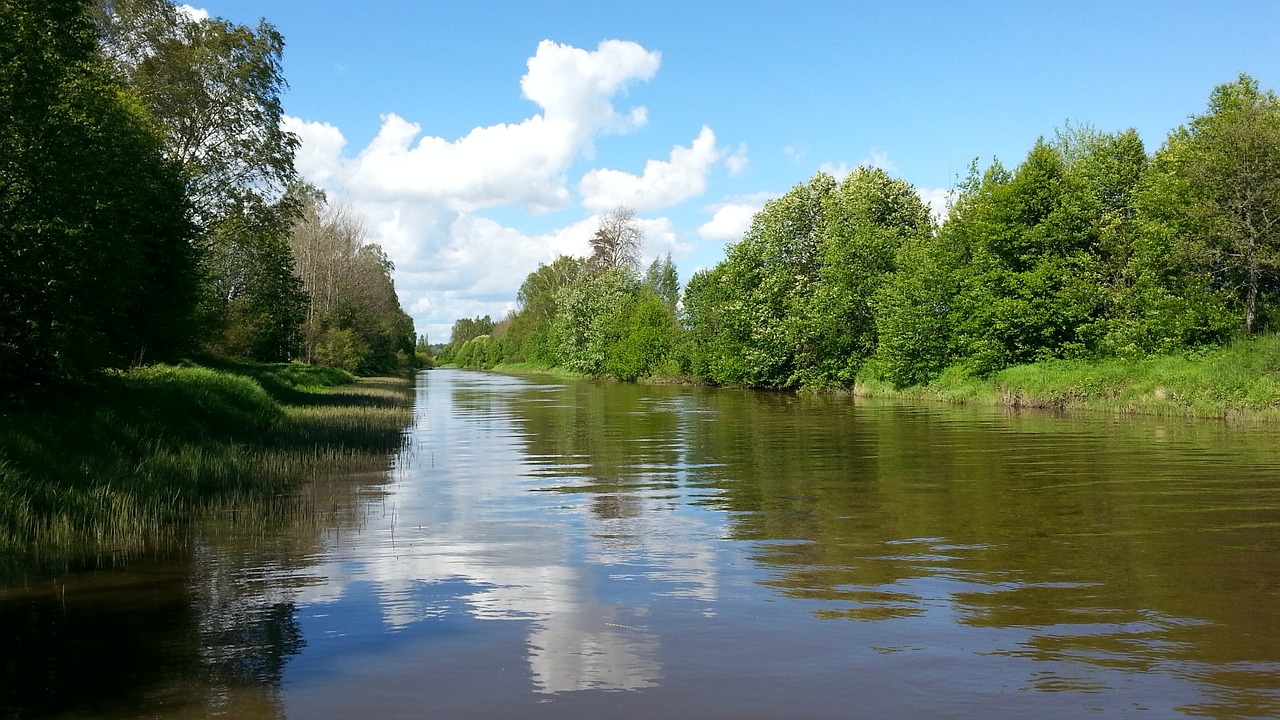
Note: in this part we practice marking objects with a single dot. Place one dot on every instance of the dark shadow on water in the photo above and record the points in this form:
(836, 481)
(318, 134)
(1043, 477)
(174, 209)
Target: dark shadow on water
(121, 642)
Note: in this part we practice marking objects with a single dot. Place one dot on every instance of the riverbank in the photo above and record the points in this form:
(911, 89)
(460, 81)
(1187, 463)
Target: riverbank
(1239, 381)
(528, 368)
(136, 456)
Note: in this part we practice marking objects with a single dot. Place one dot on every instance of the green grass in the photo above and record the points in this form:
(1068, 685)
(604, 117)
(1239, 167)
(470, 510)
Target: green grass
(134, 459)
(288, 383)
(1238, 381)
(529, 368)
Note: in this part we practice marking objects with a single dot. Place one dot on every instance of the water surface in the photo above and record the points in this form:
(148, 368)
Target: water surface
(548, 549)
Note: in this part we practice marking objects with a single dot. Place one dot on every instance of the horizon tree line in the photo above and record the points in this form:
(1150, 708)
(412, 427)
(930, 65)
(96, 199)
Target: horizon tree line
(1090, 248)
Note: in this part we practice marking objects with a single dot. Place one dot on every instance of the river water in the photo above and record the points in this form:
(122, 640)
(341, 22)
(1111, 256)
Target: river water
(549, 549)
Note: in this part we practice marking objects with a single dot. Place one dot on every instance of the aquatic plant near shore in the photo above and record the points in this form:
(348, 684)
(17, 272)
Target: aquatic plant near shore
(136, 458)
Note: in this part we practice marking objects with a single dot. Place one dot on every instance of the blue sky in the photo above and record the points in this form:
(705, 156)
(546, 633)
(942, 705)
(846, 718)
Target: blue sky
(696, 112)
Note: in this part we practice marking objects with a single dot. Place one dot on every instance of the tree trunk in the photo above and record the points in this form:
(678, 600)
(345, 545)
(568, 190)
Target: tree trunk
(1251, 301)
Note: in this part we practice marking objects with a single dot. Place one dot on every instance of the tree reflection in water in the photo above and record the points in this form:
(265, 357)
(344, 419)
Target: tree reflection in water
(747, 551)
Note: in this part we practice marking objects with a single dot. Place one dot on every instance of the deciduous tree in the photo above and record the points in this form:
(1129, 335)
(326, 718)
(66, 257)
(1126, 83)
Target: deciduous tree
(617, 241)
(663, 279)
(1215, 190)
(354, 319)
(529, 333)
(214, 88)
(96, 260)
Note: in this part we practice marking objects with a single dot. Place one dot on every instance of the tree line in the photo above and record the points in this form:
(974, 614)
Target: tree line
(598, 315)
(150, 209)
(1090, 248)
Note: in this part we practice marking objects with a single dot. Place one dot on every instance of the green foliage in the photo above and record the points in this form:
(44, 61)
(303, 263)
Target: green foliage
(1085, 250)
(422, 353)
(472, 345)
(287, 383)
(870, 217)
(254, 305)
(744, 316)
(1029, 265)
(640, 336)
(662, 279)
(1088, 249)
(479, 352)
(1212, 210)
(353, 319)
(214, 87)
(96, 263)
(530, 328)
(604, 322)
(792, 304)
(340, 348)
(1240, 379)
(590, 316)
(1030, 290)
(914, 312)
(381, 333)
(465, 329)
(716, 331)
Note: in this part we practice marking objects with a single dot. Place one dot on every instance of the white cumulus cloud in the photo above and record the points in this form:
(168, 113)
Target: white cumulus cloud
(319, 157)
(574, 85)
(664, 182)
(738, 162)
(938, 200)
(419, 194)
(516, 163)
(731, 220)
(193, 14)
(495, 165)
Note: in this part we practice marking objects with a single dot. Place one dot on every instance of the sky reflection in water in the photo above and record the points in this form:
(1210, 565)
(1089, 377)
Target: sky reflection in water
(552, 549)
(638, 535)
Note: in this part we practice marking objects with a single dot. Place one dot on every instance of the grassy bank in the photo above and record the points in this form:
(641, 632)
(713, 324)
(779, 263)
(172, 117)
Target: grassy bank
(1238, 381)
(134, 458)
(528, 368)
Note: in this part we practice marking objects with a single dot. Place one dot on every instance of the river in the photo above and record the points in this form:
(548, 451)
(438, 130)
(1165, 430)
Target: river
(546, 548)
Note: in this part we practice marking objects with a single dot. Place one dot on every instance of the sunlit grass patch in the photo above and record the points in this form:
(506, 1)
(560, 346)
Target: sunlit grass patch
(1240, 380)
(529, 368)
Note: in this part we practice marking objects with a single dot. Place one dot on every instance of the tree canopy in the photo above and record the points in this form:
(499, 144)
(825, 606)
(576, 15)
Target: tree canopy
(353, 320)
(97, 266)
(214, 88)
(143, 204)
(1216, 190)
(1087, 249)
